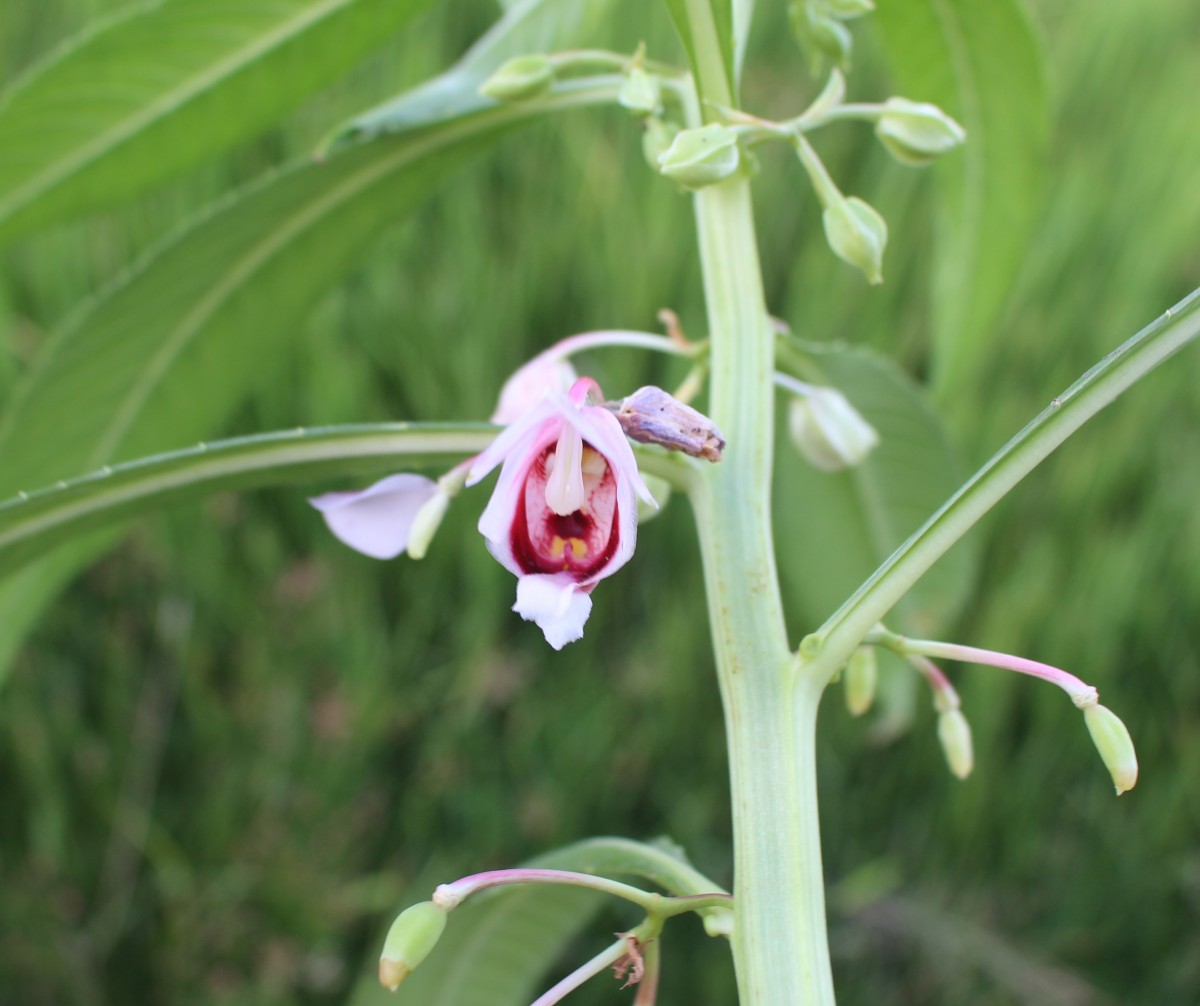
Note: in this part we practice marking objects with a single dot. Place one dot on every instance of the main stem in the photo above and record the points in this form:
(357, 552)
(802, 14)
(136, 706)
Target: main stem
(779, 942)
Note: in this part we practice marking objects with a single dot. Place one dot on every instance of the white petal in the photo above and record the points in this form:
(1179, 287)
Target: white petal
(556, 603)
(376, 521)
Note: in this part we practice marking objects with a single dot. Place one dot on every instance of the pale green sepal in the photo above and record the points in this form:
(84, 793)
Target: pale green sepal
(700, 157)
(857, 234)
(916, 132)
(519, 79)
(414, 933)
(425, 524)
(829, 431)
(1115, 745)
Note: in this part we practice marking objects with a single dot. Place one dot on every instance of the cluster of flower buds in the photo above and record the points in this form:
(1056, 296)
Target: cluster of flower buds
(1108, 733)
(564, 513)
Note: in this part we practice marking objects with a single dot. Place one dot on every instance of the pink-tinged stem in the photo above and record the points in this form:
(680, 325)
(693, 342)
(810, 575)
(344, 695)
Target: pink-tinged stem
(944, 695)
(449, 896)
(612, 337)
(602, 960)
(647, 990)
(1082, 694)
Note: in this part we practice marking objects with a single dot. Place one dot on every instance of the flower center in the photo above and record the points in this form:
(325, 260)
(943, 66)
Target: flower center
(578, 542)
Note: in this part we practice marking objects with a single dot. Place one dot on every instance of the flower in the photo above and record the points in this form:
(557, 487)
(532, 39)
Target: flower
(563, 514)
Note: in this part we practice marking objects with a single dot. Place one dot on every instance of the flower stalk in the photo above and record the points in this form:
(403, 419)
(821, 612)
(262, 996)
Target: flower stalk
(779, 941)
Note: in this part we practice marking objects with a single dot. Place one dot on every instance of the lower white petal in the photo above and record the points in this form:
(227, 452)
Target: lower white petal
(556, 603)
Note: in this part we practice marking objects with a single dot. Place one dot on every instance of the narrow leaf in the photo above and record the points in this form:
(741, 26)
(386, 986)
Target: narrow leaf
(33, 523)
(1112, 376)
(846, 523)
(138, 97)
(983, 64)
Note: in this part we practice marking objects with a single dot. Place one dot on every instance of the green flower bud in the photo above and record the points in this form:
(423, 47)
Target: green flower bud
(1115, 745)
(862, 675)
(829, 431)
(699, 157)
(641, 93)
(857, 234)
(519, 79)
(916, 132)
(955, 735)
(414, 933)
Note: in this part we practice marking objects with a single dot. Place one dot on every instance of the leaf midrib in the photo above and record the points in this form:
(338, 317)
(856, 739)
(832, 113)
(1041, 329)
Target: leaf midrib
(109, 140)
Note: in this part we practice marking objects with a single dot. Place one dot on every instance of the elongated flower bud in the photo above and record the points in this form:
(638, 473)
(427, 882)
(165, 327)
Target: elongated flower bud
(857, 234)
(955, 735)
(700, 157)
(1115, 745)
(519, 79)
(414, 933)
(861, 677)
(915, 132)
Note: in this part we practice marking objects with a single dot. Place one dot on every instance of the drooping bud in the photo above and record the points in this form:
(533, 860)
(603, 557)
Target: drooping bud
(857, 234)
(641, 93)
(954, 733)
(916, 132)
(519, 79)
(829, 431)
(700, 157)
(1115, 745)
(414, 933)
(861, 677)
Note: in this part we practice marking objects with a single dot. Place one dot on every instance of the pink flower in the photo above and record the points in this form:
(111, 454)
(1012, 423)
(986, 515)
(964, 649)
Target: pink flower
(563, 514)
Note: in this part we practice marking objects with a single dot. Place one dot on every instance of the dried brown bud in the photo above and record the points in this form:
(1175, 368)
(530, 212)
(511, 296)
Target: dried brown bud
(651, 416)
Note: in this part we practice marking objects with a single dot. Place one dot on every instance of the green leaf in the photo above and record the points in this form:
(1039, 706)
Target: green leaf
(33, 523)
(498, 947)
(164, 355)
(145, 94)
(846, 523)
(983, 64)
(1101, 385)
(706, 28)
(527, 27)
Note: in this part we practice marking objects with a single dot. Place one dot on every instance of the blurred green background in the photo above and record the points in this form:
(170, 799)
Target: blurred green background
(230, 747)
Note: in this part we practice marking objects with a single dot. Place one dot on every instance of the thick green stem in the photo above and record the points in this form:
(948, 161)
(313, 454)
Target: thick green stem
(779, 942)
